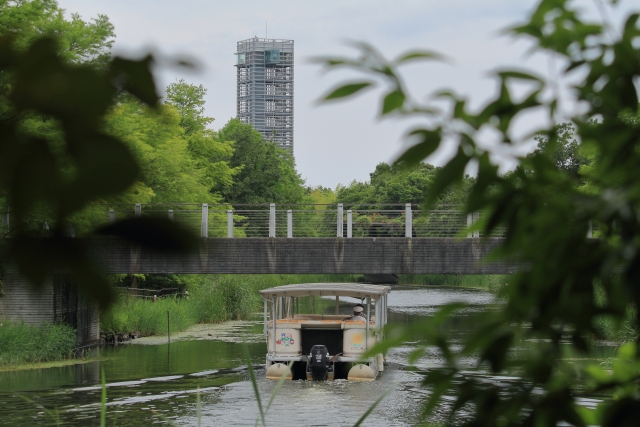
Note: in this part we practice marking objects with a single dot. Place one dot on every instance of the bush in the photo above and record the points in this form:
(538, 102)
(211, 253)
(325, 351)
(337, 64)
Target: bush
(211, 299)
(22, 343)
(147, 317)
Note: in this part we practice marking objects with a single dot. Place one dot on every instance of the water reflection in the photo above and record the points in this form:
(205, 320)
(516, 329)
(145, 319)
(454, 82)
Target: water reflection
(152, 383)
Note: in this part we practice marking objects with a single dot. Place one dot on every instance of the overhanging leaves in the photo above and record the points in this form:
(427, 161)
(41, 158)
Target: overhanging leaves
(429, 142)
(347, 90)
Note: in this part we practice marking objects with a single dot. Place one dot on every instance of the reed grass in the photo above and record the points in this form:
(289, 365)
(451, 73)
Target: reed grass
(491, 282)
(211, 299)
(22, 343)
(621, 331)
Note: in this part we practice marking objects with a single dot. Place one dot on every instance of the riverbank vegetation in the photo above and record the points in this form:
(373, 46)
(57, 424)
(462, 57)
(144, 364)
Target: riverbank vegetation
(210, 299)
(21, 343)
(496, 283)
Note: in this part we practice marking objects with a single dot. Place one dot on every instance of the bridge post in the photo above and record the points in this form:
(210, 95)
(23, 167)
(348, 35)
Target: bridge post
(590, 230)
(272, 220)
(340, 225)
(349, 224)
(229, 224)
(112, 216)
(204, 225)
(472, 218)
(138, 210)
(290, 223)
(476, 218)
(170, 214)
(408, 218)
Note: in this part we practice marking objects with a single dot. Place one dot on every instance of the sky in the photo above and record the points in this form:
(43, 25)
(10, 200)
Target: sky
(336, 142)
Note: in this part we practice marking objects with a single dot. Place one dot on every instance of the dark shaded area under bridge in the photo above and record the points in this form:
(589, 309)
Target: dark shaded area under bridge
(305, 256)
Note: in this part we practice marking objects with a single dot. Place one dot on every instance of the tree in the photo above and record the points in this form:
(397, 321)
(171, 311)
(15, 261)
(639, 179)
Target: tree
(77, 41)
(63, 172)
(268, 173)
(563, 149)
(189, 101)
(211, 155)
(568, 281)
(399, 184)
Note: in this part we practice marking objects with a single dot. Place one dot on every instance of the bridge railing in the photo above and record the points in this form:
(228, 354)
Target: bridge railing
(311, 220)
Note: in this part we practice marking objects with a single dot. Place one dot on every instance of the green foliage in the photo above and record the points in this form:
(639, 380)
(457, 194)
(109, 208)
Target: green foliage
(563, 149)
(55, 156)
(21, 343)
(546, 215)
(77, 41)
(189, 101)
(496, 283)
(268, 173)
(399, 184)
(3, 275)
(211, 299)
(211, 156)
(147, 317)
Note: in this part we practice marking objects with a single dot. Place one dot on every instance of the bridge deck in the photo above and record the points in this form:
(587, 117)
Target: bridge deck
(306, 256)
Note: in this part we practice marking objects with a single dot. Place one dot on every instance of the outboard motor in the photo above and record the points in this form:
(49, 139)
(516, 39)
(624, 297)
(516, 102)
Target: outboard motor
(319, 363)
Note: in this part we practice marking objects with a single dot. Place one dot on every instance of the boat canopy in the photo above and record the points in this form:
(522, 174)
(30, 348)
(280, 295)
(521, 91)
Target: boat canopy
(355, 290)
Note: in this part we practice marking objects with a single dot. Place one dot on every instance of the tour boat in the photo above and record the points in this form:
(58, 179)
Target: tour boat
(323, 346)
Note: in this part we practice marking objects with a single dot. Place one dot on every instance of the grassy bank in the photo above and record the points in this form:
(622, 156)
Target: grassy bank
(491, 282)
(609, 329)
(211, 299)
(21, 343)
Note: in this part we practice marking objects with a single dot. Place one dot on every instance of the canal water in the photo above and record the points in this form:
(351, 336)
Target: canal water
(207, 381)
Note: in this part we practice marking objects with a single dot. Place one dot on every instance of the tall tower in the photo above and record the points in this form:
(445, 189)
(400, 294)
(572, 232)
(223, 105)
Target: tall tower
(265, 88)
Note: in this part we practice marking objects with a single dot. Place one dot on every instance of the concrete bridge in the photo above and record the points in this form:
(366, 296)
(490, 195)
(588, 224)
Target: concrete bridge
(265, 240)
(305, 256)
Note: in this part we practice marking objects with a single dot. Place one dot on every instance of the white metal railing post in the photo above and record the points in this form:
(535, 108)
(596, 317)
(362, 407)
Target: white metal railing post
(138, 210)
(170, 214)
(469, 224)
(349, 224)
(229, 224)
(340, 226)
(476, 218)
(408, 226)
(289, 223)
(590, 230)
(204, 225)
(112, 216)
(272, 220)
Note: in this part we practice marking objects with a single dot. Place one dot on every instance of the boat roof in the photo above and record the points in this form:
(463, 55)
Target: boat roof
(356, 290)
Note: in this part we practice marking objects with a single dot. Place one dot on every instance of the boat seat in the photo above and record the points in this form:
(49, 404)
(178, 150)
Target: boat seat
(340, 317)
(308, 316)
